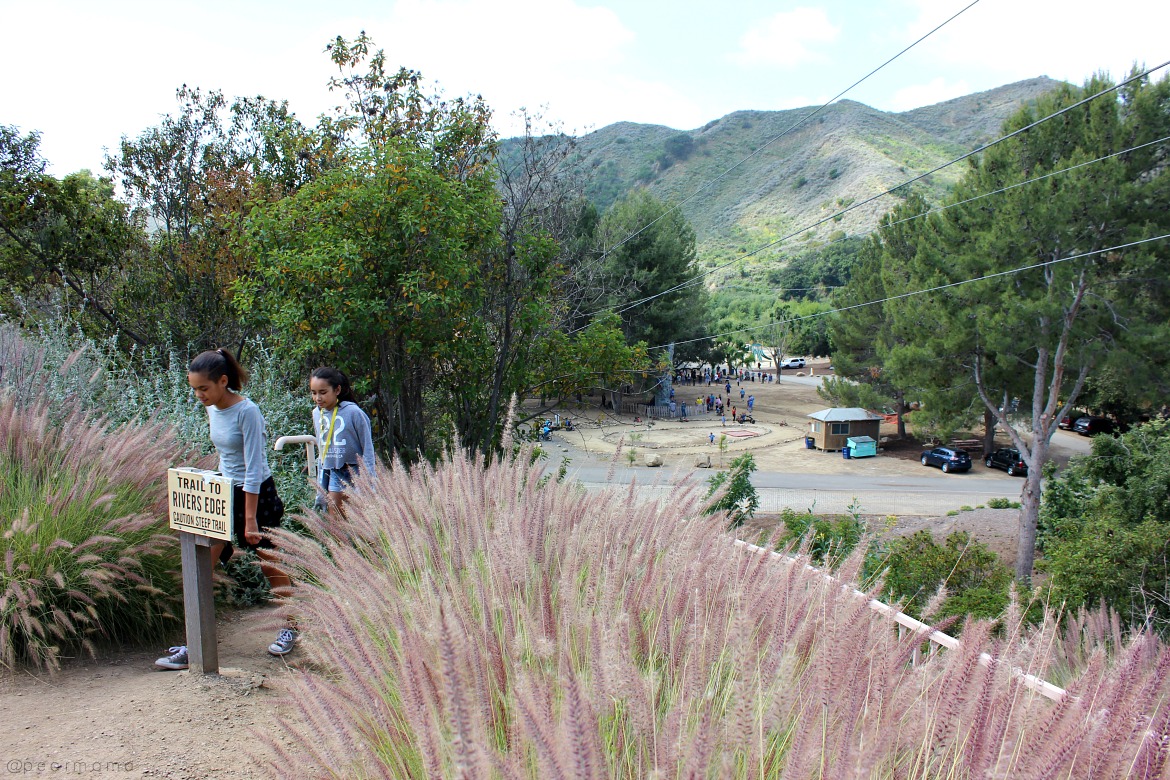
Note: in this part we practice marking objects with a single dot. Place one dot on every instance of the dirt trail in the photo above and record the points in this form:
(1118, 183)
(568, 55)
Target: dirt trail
(117, 716)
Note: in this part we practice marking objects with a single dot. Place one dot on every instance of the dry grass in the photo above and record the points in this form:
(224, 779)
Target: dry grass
(490, 623)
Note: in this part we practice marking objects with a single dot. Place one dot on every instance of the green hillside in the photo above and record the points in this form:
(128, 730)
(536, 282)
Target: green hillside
(847, 153)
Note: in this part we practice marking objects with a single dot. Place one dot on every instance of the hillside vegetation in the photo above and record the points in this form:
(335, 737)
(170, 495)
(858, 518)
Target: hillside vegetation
(845, 154)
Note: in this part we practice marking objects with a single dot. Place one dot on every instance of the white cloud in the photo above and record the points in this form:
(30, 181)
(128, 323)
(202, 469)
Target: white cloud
(1063, 39)
(934, 91)
(552, 55)
(112, 68)
(785, 38)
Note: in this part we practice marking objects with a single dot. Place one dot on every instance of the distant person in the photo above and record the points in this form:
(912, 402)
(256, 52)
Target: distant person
(741, 393)
(683, 411)
(236, 427)
(751, 403)
(711, 438)
(344, 435)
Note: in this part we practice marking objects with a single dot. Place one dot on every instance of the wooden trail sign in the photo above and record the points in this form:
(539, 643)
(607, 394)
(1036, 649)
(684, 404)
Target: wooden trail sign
(200, 502)
(201, 511)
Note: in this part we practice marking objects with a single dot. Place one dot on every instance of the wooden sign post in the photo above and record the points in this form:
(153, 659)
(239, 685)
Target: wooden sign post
(200, 510)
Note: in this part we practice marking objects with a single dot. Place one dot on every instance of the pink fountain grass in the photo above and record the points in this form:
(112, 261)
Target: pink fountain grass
(87, 554)
(485, 622)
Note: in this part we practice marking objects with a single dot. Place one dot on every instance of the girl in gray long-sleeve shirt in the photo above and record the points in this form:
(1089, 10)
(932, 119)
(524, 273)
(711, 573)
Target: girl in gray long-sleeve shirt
(344, 438)
(237, 431)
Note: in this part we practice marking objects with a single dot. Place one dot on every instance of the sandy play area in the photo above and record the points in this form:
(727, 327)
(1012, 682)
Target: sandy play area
(776, 440)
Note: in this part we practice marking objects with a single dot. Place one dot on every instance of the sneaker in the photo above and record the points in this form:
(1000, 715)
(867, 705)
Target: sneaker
(176, 658)
(285, 641)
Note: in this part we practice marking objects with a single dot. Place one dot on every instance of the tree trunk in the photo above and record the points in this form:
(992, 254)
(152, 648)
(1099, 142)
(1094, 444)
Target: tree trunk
(1030, 509)
(989, 423)
(900, 408)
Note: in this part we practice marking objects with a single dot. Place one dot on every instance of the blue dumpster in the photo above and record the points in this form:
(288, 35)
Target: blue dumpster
(810, 443)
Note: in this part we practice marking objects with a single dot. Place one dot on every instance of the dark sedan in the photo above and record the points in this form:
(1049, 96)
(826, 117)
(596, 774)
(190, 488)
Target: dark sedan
(947, 459)
(1009, 460)
(1090, 426)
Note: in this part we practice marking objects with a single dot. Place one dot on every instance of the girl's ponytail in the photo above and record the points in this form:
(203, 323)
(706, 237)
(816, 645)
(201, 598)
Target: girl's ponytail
(215, 363)
(337, 380)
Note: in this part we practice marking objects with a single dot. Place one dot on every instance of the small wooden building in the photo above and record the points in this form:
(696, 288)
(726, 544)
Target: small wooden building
(830, 429)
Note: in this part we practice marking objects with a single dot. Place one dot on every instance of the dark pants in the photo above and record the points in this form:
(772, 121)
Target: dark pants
(269, 511)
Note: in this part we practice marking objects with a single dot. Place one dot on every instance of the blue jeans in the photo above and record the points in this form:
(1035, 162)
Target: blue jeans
(337, 480)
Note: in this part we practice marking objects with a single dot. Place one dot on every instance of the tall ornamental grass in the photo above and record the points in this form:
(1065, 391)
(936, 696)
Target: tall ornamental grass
(87, 556)
(489, 623)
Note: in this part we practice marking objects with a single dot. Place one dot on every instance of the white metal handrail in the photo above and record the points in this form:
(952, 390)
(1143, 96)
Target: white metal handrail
(310, 443)
(1043, 687)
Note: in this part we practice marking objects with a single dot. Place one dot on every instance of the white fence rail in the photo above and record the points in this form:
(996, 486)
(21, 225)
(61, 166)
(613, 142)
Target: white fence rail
(903, 620)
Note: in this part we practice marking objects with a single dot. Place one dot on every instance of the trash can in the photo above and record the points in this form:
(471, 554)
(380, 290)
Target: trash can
(845, 453)
(810, 443)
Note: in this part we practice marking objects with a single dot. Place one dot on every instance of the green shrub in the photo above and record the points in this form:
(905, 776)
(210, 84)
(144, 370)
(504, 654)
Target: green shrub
(88, 557)
(829, 539)
(1002, 503)
(1104, 525)
(916, 566)
(64, 367)
(739, 500)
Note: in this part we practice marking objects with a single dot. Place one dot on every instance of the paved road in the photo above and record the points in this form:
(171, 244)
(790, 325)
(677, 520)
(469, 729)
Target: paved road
(931, 493)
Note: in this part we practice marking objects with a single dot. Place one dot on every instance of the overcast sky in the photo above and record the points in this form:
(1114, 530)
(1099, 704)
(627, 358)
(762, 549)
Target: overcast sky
(85, 73)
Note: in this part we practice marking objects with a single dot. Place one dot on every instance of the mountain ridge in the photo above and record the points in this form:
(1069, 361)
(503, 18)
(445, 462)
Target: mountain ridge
(846, 153)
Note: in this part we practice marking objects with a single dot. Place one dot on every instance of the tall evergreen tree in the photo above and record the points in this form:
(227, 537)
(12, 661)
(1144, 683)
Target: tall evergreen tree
(1060, 307)
(653, 254)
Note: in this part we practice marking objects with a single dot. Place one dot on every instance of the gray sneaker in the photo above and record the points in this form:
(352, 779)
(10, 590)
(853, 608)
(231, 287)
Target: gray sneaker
(285, 641)
(176, 658)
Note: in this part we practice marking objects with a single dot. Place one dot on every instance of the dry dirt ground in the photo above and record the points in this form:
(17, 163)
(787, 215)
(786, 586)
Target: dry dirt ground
(117, 716)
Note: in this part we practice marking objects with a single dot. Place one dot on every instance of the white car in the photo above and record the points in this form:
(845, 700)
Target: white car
(792, 363)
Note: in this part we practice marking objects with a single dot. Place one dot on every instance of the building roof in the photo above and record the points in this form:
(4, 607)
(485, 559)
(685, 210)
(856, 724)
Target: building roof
(850, 414)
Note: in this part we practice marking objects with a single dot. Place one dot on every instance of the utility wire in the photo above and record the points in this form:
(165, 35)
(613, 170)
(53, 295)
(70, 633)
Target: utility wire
(914, 293)
(891, 190)
(794, 126)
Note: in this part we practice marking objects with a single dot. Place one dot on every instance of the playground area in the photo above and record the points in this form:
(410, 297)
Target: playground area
(775, 439)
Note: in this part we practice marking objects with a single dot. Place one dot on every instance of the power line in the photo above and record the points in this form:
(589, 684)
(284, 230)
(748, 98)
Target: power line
(794, 126)
(936, 169)
(914, 293)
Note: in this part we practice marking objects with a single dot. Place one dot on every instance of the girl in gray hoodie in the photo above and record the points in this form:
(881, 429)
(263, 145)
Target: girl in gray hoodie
(344, 440)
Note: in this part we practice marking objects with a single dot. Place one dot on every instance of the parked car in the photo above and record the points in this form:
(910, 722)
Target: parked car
(1090, 426)
(1068, 421)
(792, 363)
(947, 459)
(1008, 459)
